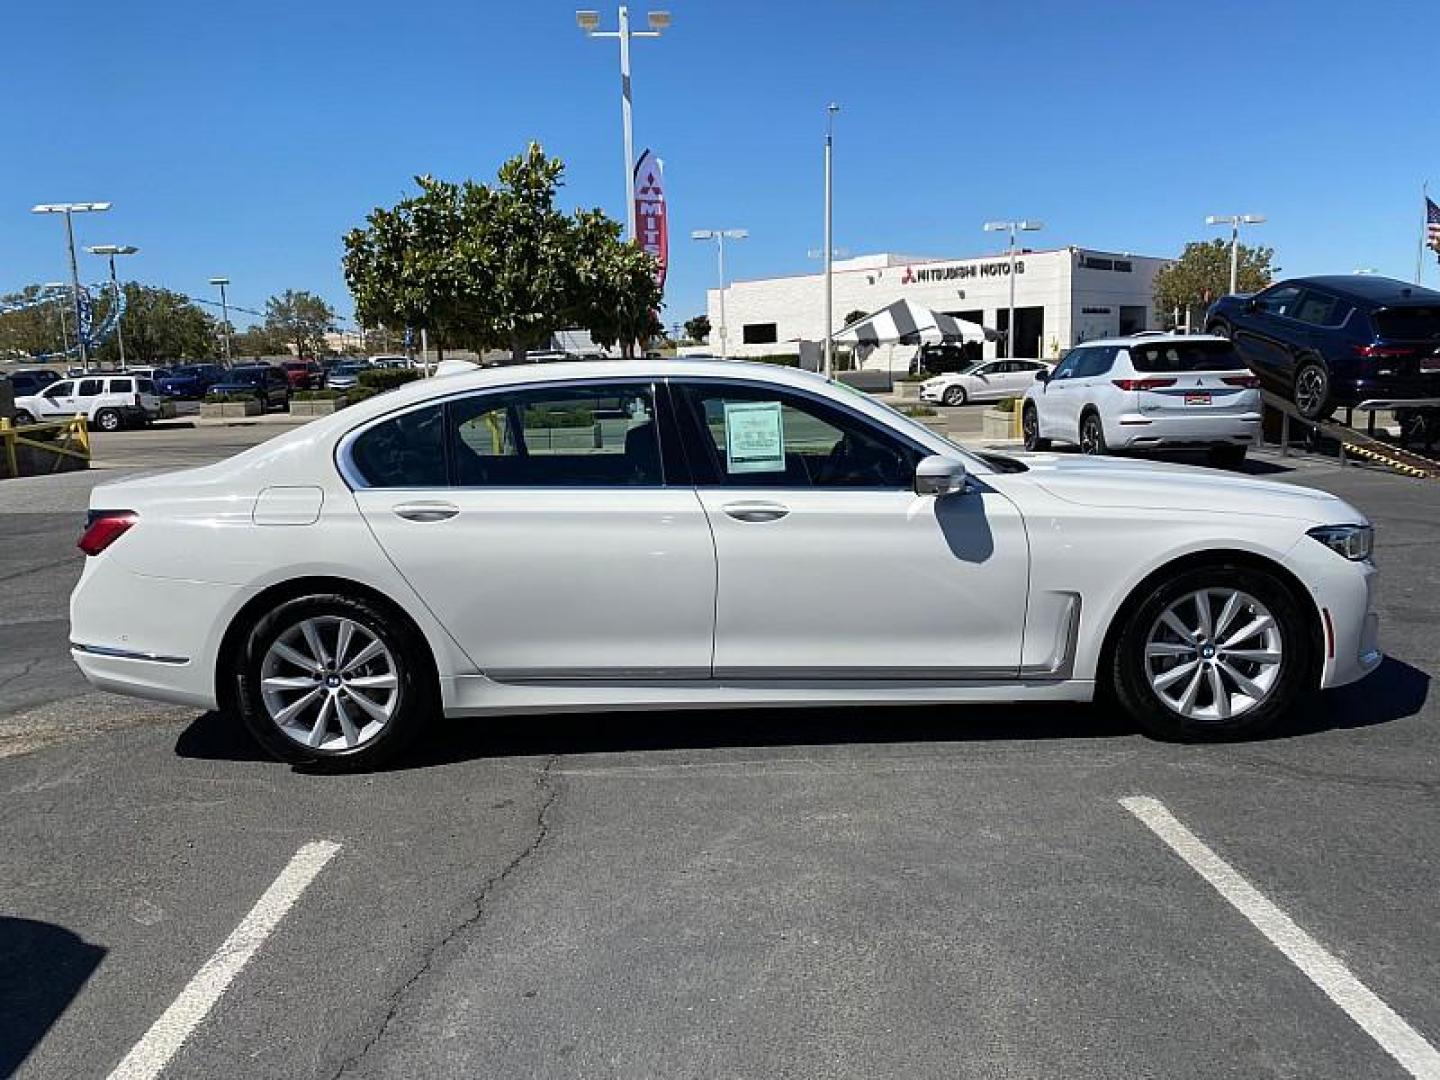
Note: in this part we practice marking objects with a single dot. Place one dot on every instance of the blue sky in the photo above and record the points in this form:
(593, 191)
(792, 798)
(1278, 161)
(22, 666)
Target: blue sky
(244, 140)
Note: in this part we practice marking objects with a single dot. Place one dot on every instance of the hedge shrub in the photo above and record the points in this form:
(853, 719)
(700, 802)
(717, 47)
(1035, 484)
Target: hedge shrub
(387, 378)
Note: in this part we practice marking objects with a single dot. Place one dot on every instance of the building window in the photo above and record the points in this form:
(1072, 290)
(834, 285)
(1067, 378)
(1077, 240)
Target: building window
(762, 333)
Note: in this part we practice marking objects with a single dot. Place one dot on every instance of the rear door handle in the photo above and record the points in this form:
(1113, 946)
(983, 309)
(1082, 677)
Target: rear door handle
(756, 511)
(426, 511)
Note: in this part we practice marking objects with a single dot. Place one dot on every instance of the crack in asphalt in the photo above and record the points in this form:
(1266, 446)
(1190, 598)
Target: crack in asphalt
(544, 780)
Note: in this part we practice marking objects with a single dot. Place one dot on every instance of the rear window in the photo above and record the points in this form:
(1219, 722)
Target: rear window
(1179, 356)
(1420, 323)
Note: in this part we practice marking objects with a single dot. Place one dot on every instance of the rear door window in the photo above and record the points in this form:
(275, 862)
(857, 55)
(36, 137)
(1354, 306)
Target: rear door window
(1413, 323)
(1172, 357)
(405, 452)
(1321, 309)
(91, 388)
(1096, 361)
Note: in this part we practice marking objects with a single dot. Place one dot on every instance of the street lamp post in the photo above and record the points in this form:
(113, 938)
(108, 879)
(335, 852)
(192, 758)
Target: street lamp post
(589, 21)
(112, 250)
(224, 313)
(720, 236)
(1012, 227)
(69, 209)
(830, 111)
(1234, 221)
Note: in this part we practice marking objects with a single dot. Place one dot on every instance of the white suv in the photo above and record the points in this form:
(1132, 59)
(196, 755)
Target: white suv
(109, 402)
(1143, 393)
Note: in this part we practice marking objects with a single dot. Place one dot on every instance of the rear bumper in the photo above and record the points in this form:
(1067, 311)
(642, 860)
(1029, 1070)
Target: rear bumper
(1137, 430)
(1352, 390)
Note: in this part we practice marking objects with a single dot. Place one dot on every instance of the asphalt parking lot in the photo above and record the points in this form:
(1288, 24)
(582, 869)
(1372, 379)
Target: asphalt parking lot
(808, 893)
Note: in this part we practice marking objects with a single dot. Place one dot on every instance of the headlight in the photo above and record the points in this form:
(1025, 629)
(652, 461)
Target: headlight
(1354, 542)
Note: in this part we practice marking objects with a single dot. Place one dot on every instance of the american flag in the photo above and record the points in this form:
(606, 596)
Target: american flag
(1432, 224)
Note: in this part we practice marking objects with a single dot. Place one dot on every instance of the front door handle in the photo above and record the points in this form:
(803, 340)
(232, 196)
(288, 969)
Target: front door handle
(756, 511)
(426, 511)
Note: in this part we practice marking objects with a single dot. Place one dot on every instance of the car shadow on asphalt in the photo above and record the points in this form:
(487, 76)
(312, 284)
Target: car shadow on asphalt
(1394, 691)
(42, 969)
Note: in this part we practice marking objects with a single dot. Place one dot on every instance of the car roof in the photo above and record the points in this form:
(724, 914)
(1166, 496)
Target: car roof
(1370, 289)
(1148, 339)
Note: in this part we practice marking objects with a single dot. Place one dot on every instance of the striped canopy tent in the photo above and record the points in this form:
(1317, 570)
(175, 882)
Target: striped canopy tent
(907, 323)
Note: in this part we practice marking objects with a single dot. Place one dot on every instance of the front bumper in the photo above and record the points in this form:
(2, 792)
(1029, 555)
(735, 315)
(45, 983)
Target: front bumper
(1344, 594)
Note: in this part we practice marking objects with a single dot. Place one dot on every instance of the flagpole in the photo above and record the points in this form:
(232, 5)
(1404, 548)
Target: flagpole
(1424, 229)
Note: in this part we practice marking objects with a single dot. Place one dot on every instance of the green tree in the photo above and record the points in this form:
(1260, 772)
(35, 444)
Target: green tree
(499, 266)
(698, 328)
(300, 318)
(854, 317)
(159, 325)
(259, 341)
(1202, 275)
(33, 329)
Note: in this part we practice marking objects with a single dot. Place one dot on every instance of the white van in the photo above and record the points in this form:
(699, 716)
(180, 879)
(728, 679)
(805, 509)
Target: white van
(109, 402)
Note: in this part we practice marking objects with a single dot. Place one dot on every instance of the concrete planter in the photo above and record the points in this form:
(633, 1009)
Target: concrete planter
(228, 410)
(907, 391)
(995, 424)
(318, 407)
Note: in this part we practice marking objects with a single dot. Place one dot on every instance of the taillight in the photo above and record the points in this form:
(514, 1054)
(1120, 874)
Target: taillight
(1381, 351)
(104, 527)
(1142, 384)
(1249, 382)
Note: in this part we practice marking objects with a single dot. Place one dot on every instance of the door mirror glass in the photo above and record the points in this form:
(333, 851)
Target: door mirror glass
(937, 475)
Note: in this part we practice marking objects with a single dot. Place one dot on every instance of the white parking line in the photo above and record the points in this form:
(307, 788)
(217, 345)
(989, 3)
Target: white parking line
(165, 1037)
(1379, 1021)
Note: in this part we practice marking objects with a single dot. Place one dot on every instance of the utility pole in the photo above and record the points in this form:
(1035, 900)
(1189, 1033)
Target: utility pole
(830, 111)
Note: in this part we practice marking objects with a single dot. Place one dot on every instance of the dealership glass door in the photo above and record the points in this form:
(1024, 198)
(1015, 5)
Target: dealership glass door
(1029, 331)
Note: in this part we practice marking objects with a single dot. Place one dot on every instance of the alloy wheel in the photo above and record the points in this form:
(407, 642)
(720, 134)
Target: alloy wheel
(329, 683)
(1092, 436)
(954, 395)
(1214, 654)
(1310, 390)
(1030, 428)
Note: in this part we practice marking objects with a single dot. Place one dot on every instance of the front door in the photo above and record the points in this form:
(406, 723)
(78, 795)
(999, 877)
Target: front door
(830, 566)
(538, 527)
(57, 400)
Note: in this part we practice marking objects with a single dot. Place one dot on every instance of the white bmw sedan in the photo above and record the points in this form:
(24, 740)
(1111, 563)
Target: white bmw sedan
(661, 534)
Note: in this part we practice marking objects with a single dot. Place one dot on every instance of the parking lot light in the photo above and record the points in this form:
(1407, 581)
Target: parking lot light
(112, 250)
(1235, 221)
(1012, 227)
(70, 209)
(720, 236)
(224, 313)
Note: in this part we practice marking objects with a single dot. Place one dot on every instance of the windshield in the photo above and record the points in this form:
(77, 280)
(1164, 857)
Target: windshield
(1170, 357)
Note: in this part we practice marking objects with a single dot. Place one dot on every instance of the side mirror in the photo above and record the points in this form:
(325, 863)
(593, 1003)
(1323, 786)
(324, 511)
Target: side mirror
(937, 475)
(1251, 306)
(1042, 376)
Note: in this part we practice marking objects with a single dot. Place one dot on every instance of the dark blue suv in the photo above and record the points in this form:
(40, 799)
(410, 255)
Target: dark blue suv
(1325, 342)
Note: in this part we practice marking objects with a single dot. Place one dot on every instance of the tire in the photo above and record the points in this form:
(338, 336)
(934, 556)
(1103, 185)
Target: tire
(1161, 712)
(109, 420)
(396, 709)
(1228, 455)
(954, 395)
(264, 403)
(1092, 434)
(22, 418)
(1030, 429)
(1220, 328)
(1311, 391)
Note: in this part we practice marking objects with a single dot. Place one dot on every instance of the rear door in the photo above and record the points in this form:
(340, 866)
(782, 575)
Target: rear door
(1199, 377)
(552, 529)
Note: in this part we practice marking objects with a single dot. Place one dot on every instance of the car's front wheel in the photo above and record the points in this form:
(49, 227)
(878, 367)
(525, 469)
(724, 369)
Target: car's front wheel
(333, 682)
(954, 395)
(1212, 653)
(1030, 430)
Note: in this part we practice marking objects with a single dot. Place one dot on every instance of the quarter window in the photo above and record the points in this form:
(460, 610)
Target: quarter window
(121, 386)
(754, 437)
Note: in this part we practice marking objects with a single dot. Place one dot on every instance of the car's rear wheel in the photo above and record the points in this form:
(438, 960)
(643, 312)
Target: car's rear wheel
(1220, 328)
(1312, 390)
(1030, 430)
(1228, 455)
(1215, 652)
(108, 420)
(1092, 434)
(333, 682)
(22, 417)
(954, 395)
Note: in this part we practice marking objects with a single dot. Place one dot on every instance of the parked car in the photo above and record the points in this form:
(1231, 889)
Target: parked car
(1325, 342)
(392, 361)
(109, 402)
(1144, 394)
(147, 372)
(942, 359)
(668, 533)
(344, 376)
(303, 374)
(992, 380)
(31, 380)
(264, 382)
(189, 380)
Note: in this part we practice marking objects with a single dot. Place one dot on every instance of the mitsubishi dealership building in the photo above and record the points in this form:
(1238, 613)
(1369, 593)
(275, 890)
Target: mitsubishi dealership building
(1062, 297)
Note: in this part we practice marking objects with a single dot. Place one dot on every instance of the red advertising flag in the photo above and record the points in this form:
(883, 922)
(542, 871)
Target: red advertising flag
(651, 225)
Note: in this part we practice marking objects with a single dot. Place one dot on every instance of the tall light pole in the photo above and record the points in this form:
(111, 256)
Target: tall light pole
(1234, 221)
(1012, 227)
(830, 111)
(224, 313)
(69, 209)
(589, 22)
(720, 236)
(112, 250)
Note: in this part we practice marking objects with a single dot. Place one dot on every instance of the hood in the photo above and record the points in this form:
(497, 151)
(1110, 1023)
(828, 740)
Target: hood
(1155, 485)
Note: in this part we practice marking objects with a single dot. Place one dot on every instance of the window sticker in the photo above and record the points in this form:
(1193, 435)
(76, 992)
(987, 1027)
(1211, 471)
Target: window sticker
(754, 437)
